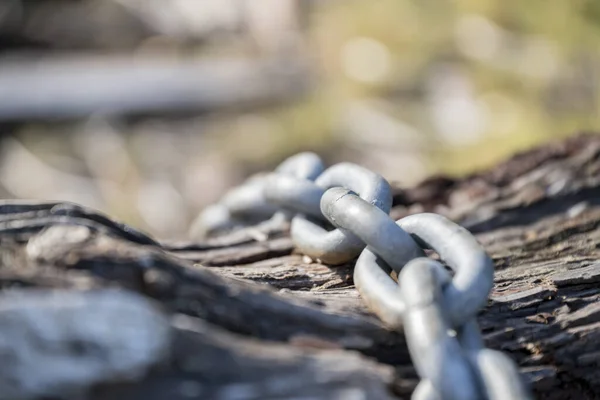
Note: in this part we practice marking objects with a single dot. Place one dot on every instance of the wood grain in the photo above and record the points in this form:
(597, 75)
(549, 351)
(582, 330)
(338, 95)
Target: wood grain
(253, 319)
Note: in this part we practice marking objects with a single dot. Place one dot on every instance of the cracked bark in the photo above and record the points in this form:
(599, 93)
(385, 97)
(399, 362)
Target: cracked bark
(253, 319)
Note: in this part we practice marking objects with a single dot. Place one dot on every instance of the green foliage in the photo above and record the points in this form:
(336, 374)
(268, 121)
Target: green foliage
(542, 83)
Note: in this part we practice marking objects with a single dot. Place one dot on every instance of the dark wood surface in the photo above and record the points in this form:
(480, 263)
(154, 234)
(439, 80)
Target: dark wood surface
(252, 319)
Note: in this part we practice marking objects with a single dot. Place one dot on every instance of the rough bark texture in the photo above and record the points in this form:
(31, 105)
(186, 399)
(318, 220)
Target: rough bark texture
(250, 319)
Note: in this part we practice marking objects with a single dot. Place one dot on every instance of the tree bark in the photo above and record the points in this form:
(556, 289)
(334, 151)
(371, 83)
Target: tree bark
(251, 319)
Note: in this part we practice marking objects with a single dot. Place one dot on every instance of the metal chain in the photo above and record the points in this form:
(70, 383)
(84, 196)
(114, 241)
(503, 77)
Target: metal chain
(308, 232)
(247, 205)
(436, 310)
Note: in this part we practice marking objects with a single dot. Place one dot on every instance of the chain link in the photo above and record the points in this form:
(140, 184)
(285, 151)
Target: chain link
(437, 355)
(247, 204)
(338, 246)
(436, 310)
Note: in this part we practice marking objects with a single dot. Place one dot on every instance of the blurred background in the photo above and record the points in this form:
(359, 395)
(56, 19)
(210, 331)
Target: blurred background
(149, 110)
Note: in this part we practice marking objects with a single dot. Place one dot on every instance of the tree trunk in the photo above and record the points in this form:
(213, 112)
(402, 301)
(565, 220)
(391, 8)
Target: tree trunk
(299, 329)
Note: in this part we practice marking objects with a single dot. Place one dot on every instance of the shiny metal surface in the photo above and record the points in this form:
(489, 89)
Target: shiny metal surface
(435, 351)
(339, 245)
(247, 203)
(436, 310)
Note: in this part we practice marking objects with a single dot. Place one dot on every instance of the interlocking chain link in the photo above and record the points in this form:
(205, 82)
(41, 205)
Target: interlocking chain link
(436, 310)
(338, 246)
(247, 205)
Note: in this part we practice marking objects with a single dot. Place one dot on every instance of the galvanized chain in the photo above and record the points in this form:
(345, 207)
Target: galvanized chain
(247, 205)
(303, 196)
(436, 310)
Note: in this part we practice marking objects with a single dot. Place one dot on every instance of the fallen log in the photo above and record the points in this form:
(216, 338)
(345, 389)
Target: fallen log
(248, 318)
(50, 88)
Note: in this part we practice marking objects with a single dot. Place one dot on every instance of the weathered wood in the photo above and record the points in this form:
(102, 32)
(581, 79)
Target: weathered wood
(252, 319)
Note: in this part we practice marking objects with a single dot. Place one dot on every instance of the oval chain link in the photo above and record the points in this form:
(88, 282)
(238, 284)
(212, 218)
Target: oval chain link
(246, 204)
(437, 311)
(339, 245)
